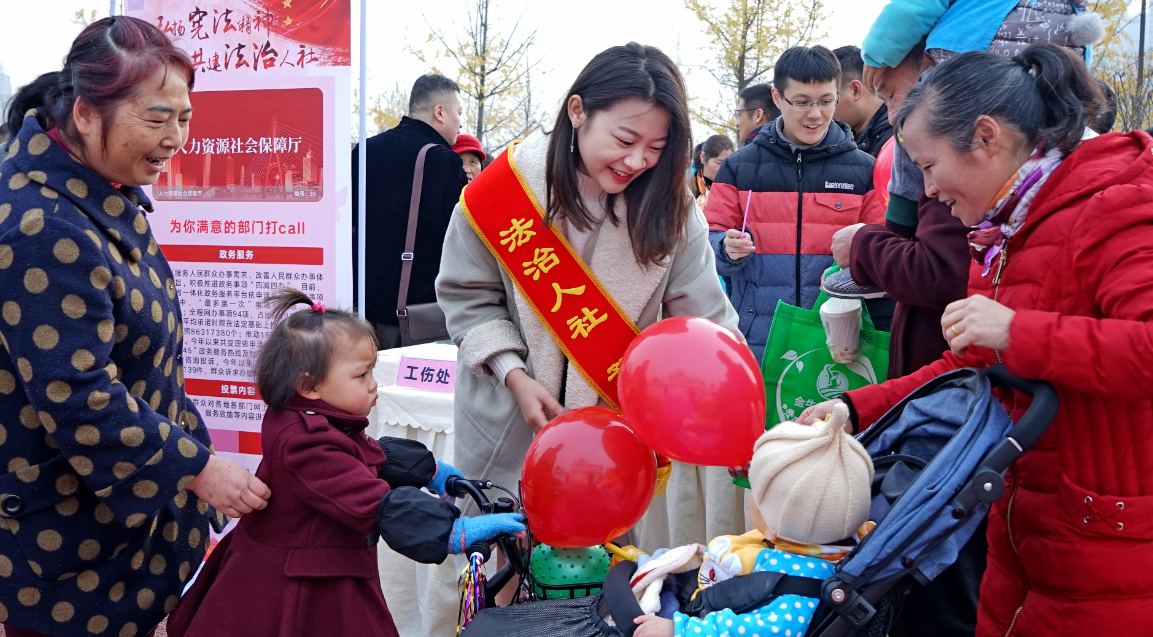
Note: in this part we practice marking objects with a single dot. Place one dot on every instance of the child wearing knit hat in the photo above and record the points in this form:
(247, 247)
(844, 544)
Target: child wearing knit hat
(809, 503)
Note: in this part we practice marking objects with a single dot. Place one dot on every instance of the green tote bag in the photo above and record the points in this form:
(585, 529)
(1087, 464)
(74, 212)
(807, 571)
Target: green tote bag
(799, 371)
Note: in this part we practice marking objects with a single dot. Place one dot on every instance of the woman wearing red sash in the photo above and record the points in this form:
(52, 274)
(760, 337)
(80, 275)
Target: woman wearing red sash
(618, 153)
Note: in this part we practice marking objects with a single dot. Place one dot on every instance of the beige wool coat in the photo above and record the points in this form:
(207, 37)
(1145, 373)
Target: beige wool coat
(487, 315)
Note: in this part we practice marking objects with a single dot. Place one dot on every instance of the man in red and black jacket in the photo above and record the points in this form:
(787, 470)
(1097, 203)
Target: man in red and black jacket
(801, 180)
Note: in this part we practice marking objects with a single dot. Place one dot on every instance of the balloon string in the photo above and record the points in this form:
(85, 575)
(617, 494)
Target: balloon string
(472, 592)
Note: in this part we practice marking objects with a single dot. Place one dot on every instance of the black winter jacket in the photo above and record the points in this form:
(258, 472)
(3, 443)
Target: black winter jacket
(391, 161)
(876, 133)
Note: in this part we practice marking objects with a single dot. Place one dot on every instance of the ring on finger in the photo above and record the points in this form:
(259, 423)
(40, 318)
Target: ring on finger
(953, 327)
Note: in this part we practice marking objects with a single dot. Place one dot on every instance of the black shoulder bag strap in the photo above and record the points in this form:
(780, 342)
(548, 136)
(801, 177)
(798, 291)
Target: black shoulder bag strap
(410, 239)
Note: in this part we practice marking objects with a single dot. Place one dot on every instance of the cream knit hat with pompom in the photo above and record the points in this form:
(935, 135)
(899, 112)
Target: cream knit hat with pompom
(812, 484)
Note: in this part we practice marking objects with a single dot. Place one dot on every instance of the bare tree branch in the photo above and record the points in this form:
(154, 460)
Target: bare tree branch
(493, 68)
(747, 37)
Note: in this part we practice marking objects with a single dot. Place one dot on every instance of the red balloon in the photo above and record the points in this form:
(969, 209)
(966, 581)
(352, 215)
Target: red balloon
(587, 479)
(883, 169)
(692, 391)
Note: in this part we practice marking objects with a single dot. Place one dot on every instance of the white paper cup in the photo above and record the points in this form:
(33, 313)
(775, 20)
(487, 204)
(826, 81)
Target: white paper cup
(842, 321)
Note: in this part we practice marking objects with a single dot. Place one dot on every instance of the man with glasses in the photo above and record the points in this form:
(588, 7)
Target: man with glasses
(754, 110)
(800, 181)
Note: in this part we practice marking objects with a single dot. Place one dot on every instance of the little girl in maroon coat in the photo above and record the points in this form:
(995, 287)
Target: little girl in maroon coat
(306, 565)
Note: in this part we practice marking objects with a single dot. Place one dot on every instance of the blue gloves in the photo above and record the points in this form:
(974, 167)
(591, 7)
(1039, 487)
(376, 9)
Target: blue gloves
(483, 528)
(443, 471)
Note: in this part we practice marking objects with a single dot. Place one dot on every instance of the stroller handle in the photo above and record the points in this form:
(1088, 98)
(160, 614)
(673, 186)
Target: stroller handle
(849, 604)
(987, 483)
(1040, 413)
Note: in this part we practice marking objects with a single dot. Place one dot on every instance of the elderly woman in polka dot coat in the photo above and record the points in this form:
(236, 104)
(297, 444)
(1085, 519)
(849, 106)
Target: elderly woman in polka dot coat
(108, 484)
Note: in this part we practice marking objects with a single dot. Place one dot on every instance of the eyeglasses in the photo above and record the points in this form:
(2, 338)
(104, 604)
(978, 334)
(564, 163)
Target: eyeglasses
(823, 105)
(745, 110)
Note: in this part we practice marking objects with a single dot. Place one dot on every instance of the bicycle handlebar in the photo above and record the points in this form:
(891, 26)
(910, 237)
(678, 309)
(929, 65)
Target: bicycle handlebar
(481, 548)
(458, 486)
(464, 487)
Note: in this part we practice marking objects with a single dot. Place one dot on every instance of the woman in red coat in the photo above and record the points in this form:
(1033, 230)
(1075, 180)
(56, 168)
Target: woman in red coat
(1062, 291)
(307, 564)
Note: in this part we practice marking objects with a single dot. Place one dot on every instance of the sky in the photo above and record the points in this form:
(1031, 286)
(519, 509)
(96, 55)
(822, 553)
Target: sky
(567, 39)
(40, 45)
(568, 36)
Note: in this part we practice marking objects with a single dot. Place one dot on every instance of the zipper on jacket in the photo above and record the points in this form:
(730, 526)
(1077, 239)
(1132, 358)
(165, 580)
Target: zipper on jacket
(1004, 260)
(1012, 542)
(1014, 622)
(800, 201)
(1001, 263)
(1009, 510)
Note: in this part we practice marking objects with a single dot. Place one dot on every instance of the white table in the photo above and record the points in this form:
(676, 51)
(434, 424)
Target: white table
(423, 598)
(403, 412)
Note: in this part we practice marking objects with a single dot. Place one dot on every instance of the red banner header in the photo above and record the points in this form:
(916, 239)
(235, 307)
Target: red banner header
(244, 254)
(221, 389)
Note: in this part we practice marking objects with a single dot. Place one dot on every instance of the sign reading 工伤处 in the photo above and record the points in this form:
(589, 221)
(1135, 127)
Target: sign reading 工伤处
(258, 197)
(426, 374)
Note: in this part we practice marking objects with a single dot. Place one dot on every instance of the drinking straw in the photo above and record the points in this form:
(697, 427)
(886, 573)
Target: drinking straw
(746, 221)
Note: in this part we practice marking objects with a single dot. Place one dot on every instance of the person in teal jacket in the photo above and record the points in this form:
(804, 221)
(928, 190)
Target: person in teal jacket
(935, 30)
(1005, 27)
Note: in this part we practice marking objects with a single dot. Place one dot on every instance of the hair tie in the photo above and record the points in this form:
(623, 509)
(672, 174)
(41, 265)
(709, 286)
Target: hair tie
(1025, 65)
(318, 307)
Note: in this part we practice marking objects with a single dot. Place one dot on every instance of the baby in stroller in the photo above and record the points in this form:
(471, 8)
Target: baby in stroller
(810, 497)
(938, 461)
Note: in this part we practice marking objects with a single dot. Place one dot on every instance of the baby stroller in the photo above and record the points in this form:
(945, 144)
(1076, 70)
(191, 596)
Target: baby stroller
(939, 457)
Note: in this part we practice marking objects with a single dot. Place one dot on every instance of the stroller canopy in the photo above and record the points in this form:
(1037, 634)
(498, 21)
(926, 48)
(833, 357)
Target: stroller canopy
(950, 424)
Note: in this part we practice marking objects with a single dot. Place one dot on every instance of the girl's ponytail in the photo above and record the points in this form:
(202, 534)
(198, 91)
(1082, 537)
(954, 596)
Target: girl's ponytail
(284, 300)
(1071, 99)
(301, 347)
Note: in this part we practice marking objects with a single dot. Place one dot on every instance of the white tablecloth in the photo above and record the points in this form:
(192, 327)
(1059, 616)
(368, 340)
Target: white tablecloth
(423, 598)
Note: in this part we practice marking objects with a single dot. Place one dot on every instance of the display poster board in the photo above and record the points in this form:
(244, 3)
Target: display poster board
(259, 196)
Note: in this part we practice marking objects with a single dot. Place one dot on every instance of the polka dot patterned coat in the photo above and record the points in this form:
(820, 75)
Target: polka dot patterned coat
(98, 440)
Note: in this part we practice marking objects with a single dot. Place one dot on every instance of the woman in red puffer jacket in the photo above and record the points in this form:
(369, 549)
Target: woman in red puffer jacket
(1061, 290)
